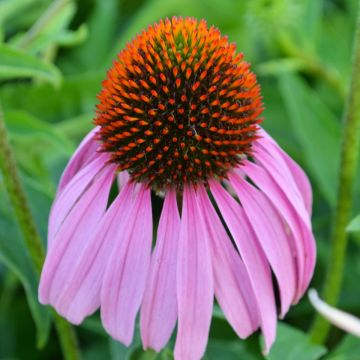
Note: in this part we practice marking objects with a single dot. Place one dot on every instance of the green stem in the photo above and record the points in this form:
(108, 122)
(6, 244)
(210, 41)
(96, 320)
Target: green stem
(349, 160)
(31, 235)
(18, 200)
(67, 337)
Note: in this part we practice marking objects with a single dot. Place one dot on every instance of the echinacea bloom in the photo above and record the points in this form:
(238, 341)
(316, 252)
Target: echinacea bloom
(178, 119)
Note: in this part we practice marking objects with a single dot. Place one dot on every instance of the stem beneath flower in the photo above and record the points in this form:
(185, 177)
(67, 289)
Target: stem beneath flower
(67, 337)
(31, 235)
(349, 160)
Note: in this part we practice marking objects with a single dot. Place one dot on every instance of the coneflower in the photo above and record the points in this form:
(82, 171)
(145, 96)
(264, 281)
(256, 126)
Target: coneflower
(179, 118)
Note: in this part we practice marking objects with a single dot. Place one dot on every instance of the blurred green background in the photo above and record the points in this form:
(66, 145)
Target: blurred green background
(53, 57)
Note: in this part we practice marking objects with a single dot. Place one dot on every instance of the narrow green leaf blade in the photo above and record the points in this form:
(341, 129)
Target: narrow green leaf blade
(11, 8)
(51, 29)
(102, 26)
(16, 63)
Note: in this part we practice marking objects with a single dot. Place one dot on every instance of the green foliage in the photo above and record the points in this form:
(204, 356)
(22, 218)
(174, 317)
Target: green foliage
(14, 255)
(53, 57)
(15, 63)
(292, 343)
(316, 129)
(348, 349)
(354, 224)
(102, 26)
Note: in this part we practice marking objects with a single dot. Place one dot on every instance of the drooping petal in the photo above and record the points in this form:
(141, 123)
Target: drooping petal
(276, 166)
(253, 258)
(304, 243)
(72, 193)
(298, 174)
(301, 180)
(271, 158)
(125, 275)
(194, 282)
(73, 235)
(82, 156)
(80, 294)
(271, 234)
(159, 306)
(231, 282)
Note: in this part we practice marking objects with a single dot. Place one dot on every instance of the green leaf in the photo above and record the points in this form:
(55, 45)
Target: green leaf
(72, 38)
(96, 351)
(22, 125)
(38, 146)
(76, 96)
(291, 344)
(93, 324)
(102, 26)
(276, 120)
(278, 66)
(65, 38)
(348, 349)
(336, 27)
(354, 224)
(317, 131)
(51, 29)
(76, 126)
(13, 254)
(119, 351)
(11, 8)
(311, 20)
(15, 63)
(228, 350)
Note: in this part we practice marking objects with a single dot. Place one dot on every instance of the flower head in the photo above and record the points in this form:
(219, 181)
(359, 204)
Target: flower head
(179, 105)
(179, 113)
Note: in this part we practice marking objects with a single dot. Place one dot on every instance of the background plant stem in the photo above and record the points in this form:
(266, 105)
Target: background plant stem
(31, 235)
(348, 164)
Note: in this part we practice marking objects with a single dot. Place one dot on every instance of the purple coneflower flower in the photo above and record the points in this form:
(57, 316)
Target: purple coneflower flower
(178, 118)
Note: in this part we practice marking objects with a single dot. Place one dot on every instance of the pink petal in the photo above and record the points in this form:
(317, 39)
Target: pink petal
(71, 194)
(271, 233)
(194, 282)
(82, 156)
(301, 180)
(80, 294)
(159, 307)
(122, 179)
(73, 235)
(253, 258)
(232, 285)
(298, 174)
(125, 275)
(304, 243)
(275, 165)
(271, 157)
